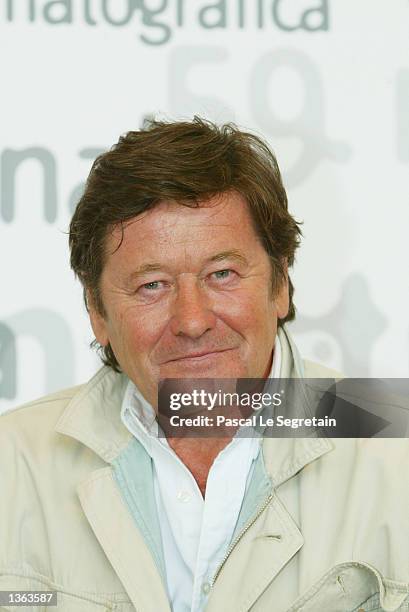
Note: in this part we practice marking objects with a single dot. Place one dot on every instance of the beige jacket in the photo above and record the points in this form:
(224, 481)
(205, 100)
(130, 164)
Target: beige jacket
(331, 534)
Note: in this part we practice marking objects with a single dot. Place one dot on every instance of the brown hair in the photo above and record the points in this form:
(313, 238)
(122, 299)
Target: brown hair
(186, 162)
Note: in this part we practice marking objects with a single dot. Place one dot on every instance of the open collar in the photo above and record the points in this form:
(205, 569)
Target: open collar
(93, 416)
(285, 457)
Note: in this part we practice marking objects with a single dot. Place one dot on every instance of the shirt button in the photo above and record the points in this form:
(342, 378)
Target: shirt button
(206, 588)
(184, 496)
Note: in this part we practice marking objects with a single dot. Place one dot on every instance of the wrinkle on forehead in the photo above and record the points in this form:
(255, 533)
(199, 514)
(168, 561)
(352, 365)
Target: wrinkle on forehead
(117, 232)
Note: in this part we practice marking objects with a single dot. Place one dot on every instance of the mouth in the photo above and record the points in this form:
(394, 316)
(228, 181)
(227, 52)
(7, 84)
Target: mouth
(197, 356)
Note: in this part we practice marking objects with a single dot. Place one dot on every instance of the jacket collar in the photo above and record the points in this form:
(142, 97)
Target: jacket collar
(285, 457)
(93, 416)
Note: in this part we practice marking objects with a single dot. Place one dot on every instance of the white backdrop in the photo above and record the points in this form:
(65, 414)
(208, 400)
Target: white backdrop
(325, 82)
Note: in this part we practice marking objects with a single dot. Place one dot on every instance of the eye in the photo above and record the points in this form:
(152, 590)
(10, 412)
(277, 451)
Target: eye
(152, 291)
(151, 286)
(223, 275)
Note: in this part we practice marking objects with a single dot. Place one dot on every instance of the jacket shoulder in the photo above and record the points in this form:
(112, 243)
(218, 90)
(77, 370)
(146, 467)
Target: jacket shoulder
(40, 415)
(47, 402)
(317, 370)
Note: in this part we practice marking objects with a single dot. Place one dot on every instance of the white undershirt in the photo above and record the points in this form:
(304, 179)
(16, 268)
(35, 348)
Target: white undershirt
(196, 532)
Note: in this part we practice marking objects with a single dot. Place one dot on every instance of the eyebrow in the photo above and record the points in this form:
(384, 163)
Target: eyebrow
(234, 254)
(145, 269)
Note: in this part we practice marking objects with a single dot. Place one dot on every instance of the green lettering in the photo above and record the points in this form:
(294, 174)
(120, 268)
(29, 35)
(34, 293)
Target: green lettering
(10, 10)
(278, 21)
(321, 12)
(147, 19)
(10, 161)
(87, 14)
(118, 22)
(180, 13)
(219, 10)
(65, 17)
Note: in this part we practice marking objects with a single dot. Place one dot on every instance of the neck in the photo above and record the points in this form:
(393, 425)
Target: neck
(198, 455)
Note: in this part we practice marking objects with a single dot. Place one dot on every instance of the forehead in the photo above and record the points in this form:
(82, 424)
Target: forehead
(223, 221)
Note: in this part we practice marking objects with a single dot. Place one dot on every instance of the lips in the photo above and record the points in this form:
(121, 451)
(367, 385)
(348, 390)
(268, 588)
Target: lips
(197, 355)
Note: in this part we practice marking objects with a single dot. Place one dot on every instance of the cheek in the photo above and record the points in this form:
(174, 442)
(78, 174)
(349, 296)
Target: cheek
(242, 310)
(136, 331)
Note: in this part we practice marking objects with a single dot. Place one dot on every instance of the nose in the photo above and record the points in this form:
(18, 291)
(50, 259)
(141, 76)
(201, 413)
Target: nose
(192, 315)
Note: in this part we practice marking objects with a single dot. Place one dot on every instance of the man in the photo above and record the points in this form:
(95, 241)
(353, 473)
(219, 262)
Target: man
(183, 241)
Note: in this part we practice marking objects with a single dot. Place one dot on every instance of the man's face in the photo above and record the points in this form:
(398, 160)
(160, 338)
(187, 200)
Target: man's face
(188, 295)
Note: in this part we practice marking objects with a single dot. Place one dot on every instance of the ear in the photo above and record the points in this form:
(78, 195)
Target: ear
(98, 322)
(282, 299)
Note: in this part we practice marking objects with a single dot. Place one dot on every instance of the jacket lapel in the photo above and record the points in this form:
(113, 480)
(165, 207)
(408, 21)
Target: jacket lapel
(267, 544)
(93, 418)
(259, 556)
(122, 542)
